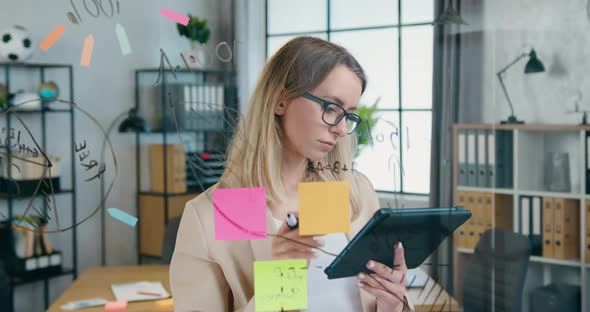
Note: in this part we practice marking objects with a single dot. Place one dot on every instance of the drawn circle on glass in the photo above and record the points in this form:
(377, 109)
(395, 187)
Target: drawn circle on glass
(104, 11)
(97, 14)
(379, 137)
(37, 160)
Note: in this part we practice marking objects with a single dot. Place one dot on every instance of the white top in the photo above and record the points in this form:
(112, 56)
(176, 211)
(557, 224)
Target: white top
(340, 294)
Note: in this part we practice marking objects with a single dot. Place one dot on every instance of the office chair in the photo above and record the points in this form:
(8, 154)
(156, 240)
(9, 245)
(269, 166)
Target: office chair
(495, 275)
(169, 240)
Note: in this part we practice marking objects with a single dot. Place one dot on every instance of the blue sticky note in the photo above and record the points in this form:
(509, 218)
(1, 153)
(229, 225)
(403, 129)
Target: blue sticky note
(122, 216)
(123, 40)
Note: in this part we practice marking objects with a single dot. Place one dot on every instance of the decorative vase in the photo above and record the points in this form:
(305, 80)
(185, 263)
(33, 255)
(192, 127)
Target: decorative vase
(197, 57)
(557, 172)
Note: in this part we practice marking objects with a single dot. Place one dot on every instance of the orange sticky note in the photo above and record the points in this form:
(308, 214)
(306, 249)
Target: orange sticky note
(324, 207)
(55, 34)
(87, 51)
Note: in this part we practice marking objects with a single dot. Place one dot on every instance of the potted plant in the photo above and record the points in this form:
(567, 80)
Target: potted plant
(196, 31)
(369, 119)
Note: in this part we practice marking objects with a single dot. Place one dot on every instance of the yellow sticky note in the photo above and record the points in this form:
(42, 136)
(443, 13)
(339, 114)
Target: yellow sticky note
(280, 285)
(324, 207)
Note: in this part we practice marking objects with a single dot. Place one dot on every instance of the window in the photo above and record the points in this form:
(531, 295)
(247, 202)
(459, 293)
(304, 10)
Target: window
(393, 41)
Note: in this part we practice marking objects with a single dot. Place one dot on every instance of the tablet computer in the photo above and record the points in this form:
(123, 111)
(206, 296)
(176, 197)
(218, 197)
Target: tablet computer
(421, 230)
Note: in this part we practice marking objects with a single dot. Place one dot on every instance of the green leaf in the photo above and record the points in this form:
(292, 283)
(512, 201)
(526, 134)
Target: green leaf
(195, 30)
(369, 120)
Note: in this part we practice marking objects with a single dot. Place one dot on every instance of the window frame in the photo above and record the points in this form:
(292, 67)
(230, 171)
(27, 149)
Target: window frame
(400, 109)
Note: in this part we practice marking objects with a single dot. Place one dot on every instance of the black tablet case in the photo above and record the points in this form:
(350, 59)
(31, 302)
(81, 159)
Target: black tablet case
(421, 230)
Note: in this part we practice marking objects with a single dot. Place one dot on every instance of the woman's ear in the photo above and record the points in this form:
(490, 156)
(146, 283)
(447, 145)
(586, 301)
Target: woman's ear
(280, 108)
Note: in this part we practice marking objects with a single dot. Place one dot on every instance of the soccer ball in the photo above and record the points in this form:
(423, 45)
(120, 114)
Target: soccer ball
(15, 44)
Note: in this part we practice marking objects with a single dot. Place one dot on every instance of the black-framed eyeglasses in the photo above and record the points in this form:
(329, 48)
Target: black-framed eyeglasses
(332, 113)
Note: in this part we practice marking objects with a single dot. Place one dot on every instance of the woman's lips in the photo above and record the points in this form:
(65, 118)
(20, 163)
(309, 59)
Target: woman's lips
(327, 146)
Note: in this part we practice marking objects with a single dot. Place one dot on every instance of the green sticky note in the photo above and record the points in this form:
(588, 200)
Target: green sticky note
(280, 285)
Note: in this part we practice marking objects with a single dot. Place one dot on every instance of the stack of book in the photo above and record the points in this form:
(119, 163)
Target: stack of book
(25, 247)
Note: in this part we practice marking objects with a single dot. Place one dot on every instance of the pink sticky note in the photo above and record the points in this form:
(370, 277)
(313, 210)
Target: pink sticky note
(175, 16)
(240, 213)
(115, 306)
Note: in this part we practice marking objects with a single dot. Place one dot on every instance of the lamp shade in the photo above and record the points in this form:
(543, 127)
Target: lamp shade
(450, 16)
(133, 123)
(534, 65)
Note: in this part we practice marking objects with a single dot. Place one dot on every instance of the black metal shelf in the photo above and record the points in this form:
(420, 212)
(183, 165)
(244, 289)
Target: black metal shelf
(193, 71)
(22, 280)
(8, 196)
(224, 77)
(35, 65)
(43, 111)
(163, 132)
(189, 192)
(38, 111)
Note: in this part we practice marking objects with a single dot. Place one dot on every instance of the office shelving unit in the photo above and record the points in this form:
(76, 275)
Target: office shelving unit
(529, 147)
(44, 114)
(155, 209)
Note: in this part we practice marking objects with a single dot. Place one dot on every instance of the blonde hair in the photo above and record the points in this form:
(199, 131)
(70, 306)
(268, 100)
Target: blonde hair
(256, 150)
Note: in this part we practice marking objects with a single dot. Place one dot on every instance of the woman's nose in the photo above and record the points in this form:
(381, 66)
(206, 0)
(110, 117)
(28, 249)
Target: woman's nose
(341, 128)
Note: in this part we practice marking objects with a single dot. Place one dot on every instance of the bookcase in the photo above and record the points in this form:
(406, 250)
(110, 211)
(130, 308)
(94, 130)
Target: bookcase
(534, 180)
(14, 195)
(191, 116)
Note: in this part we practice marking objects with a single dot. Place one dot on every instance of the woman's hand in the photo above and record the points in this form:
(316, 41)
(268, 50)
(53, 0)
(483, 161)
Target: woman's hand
(386, 284)
(290, 245)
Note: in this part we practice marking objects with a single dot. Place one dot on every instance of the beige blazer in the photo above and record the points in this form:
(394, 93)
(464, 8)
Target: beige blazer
(211, 275)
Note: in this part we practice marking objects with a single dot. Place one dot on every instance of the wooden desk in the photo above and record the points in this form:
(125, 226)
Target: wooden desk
(96, 282)
(432, 298)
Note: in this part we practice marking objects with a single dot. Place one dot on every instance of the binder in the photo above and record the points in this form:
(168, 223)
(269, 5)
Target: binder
(186, 106)
(207, 106)
(462, 157)
(470, 239)
(587, 162)
(195, 120)
(471, 158)
(219, 122)
(517, 217)
(587, 231)
(481, 159)
(525, 216)
(566, 229)
(491, 158)
(504, 209)
(548, 219)
(488, 208)
(461, 231)
(536, 226)
(504, 158)
(479, 215)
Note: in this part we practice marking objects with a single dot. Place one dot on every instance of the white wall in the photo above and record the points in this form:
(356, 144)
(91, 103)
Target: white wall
(558, 30)
(105, 89)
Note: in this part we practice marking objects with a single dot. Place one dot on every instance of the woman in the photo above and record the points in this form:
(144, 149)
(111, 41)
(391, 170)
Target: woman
(301, 111)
